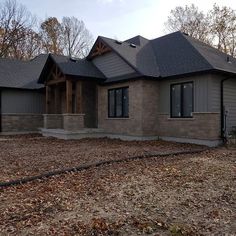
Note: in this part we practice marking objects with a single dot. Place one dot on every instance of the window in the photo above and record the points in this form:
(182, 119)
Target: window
(182, 100)
(118, 103)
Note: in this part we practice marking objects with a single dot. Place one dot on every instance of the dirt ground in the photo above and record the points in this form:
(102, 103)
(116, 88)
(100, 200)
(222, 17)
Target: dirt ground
(27, 155)
(175, 195)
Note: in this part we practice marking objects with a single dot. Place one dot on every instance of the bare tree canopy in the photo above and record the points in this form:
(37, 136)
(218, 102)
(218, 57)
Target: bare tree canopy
(15, 26)
(217, 27)
(21, 38)
(190, 20)
(51, 35)
(77, 40)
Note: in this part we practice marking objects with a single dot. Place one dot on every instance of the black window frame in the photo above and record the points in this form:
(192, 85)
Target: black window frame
(115, 102)
(181, 99)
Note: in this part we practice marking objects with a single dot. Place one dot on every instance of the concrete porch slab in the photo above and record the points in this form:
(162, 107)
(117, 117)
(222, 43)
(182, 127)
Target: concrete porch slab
(91, 133)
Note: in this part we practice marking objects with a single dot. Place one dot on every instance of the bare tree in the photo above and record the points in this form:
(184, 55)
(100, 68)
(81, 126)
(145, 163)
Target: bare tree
(29, 48)
(51, 34)
(77, 40)
(15, 21)
(223, 28)
(217, 27)
(20, 37)
(190, 20)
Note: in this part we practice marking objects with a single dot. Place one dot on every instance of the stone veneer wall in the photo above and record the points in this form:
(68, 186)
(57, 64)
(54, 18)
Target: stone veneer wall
(21, 122)
(205, 126)
(53, 121)
(143, 109)
(73, 122)
(123, 126)
(145, 118)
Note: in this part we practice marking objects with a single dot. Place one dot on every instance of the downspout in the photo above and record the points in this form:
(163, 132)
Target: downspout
(222, 110)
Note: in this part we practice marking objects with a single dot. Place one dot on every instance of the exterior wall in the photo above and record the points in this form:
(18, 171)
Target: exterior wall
(21, 122)
(201, 93)
(22, 101)
(125, 126)
(143, 109)
(52, 121)
(73, 122)
(68, 122)
(230, 103)
(201, 126)
(205, 123)
(89, 96)
(21, 110)
(229, 98)
(149, 110)
(112, 65)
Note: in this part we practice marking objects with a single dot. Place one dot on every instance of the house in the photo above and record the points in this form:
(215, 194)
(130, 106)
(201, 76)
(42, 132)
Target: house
(173, 87)
(22, 99)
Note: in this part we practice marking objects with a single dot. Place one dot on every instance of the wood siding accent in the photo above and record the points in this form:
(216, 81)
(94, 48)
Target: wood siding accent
(68, 96)
(78, 89)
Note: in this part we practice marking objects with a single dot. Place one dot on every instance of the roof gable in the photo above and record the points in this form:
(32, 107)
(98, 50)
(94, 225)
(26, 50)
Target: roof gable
(78, 68)
(140, 58)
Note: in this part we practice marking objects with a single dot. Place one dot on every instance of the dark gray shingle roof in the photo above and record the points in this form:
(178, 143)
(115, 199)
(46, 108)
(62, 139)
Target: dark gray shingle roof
(21, 74)
(77, 67)
(171, 55)
(141, 58)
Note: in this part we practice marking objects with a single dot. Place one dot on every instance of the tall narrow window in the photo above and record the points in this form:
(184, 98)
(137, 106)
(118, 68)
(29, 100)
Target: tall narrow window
(118, 103)
(182, 100)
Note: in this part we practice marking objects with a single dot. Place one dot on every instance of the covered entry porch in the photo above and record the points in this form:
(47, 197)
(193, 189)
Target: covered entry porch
(64, 108)
(70, 101)
(70, 104)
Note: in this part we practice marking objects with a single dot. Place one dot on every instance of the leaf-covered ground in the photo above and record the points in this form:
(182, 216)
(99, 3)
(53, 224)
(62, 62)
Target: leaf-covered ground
(28, 155)
(176, 195)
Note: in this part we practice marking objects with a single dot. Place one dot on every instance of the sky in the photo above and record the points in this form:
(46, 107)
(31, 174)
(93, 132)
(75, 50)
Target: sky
(119, 19)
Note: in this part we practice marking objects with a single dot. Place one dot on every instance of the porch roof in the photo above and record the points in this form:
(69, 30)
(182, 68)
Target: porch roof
(73, 67)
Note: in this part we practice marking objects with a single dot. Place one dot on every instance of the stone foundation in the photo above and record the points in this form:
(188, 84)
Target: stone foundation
(21, 122)
(73, 122)
(203, 126)
(68, 122)
(53, 121)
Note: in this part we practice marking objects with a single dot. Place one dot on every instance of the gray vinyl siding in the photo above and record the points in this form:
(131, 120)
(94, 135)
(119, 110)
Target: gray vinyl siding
(201, 95)
(22, 101)
(214, 93)
(230, 102)
(111, 65)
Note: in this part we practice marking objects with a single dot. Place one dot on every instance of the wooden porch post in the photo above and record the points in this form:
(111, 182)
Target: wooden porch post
(57, 99)
(79, 105)
(68, 96)
(48, 96)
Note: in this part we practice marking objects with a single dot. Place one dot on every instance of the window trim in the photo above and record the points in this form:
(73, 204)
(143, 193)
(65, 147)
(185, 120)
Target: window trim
(122, 115)
(181, 99)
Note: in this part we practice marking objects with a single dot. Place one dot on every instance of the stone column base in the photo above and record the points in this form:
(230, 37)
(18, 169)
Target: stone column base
(73, 122)
(52, 121)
